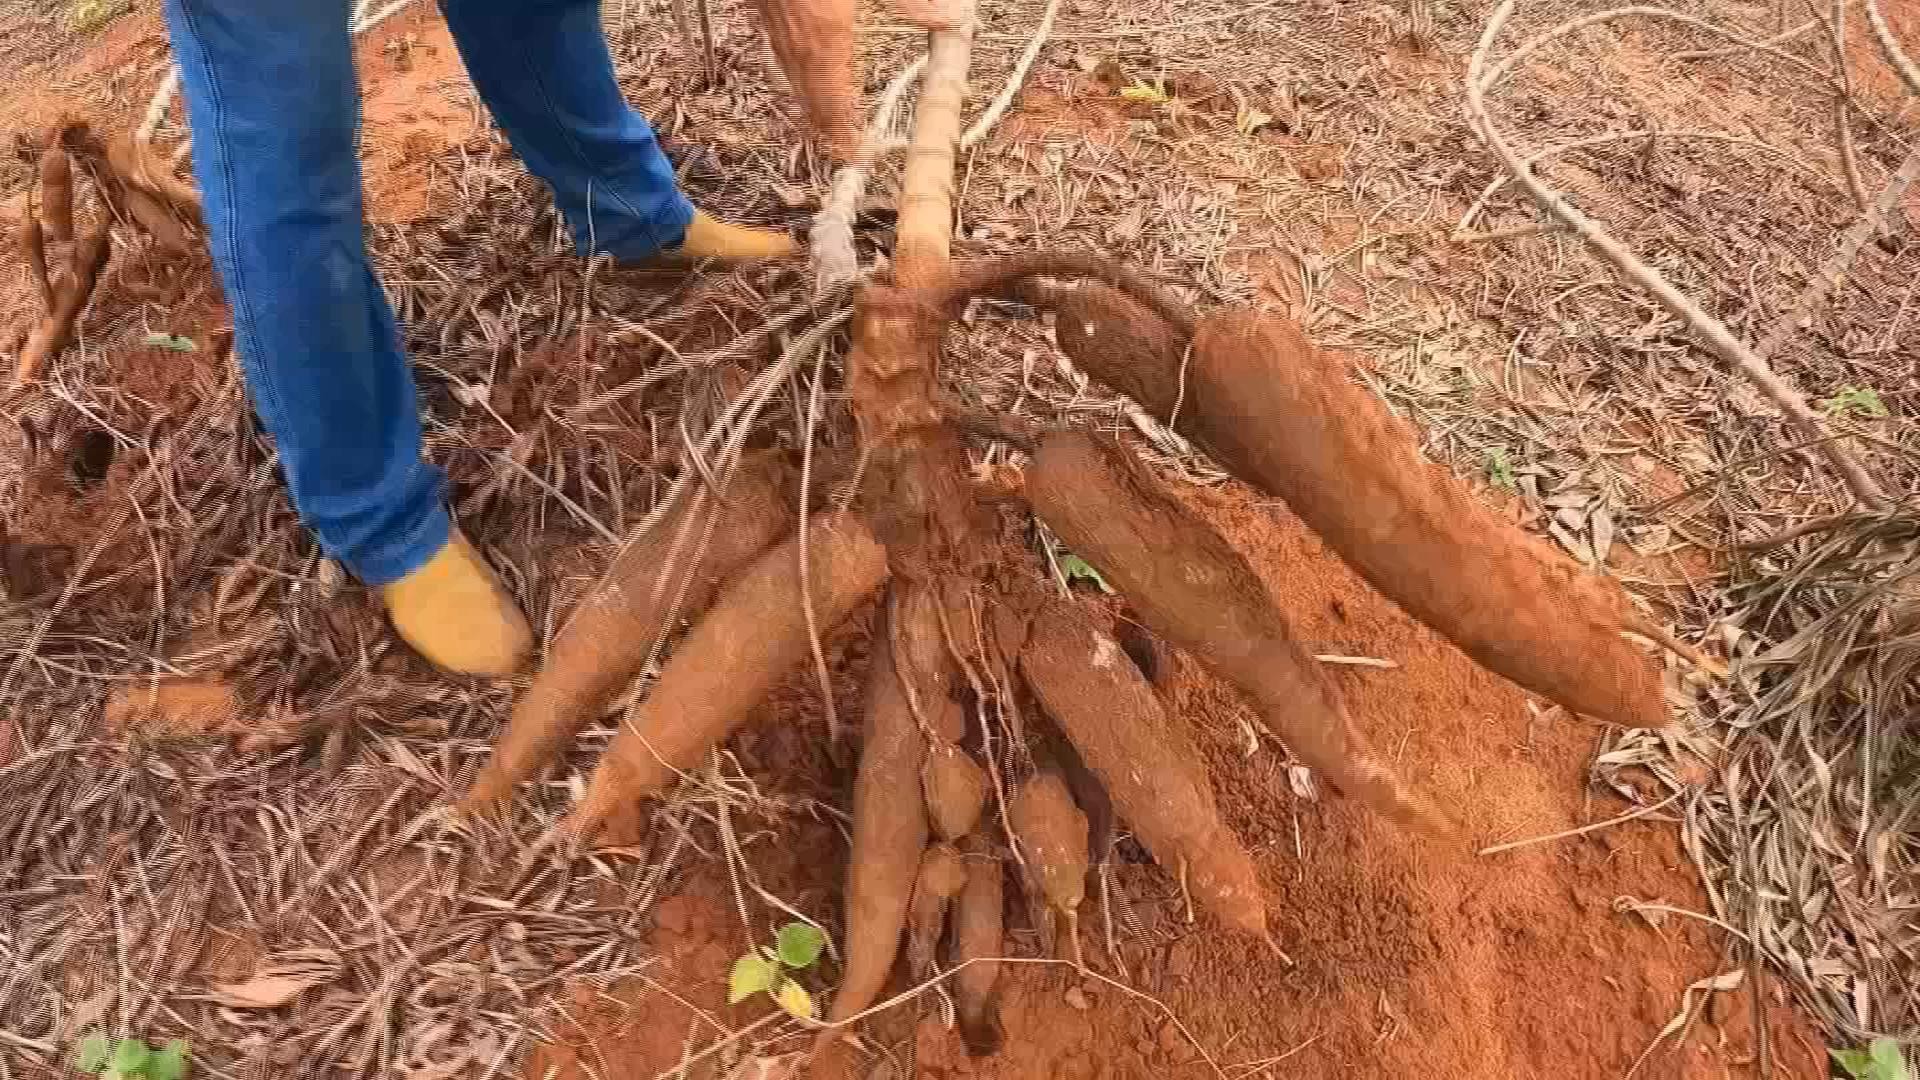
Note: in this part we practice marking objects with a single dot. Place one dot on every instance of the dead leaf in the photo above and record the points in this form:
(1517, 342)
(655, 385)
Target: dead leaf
(1601, 522)
(1300, 779)
(280, 979)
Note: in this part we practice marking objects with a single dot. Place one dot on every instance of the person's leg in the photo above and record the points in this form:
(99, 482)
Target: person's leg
(543, 68)
(274, 109)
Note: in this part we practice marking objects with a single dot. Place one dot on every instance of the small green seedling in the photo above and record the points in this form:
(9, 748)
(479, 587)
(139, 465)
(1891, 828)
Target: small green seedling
(127, 1059)
(1881, 1060)
(765, 970)
(1861, 402)
(1079, 569)
(1500, 469)
(170, 342)
(1152, 93)
(86, 16)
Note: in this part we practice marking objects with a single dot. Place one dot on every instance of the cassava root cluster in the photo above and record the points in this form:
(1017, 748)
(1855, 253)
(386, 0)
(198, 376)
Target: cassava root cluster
(975, 676)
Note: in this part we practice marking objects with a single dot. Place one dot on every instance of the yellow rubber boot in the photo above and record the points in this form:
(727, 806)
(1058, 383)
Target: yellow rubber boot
(456, 613)
(711, 239)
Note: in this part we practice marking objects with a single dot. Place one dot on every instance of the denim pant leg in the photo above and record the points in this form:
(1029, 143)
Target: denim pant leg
(274, 107)
(543, 68)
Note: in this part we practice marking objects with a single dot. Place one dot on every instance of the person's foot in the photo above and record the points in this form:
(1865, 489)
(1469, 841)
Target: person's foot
(708, 238)
(455, 612)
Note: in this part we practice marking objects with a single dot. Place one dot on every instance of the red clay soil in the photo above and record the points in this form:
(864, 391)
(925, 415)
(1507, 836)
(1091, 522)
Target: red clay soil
(1413, 958)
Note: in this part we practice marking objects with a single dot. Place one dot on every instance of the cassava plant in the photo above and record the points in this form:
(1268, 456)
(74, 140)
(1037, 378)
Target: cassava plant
(971, 661)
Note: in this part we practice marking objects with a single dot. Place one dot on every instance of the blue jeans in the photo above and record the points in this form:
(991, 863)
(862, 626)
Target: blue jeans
(274, 109)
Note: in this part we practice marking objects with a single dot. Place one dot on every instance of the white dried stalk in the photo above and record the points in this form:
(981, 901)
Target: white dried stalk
(830, 238)
(1710, 331)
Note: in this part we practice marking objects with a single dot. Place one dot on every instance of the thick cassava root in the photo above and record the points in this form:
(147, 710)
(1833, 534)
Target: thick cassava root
(671, 573)
(1149, 768)
(1282, 415)
(754, 635)
(1193, 589)
(889, 827)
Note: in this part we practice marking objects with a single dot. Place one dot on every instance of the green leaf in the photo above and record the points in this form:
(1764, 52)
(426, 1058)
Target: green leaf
(799, 944)
(158, 340)
(169, 1062)
(92, 1054)
(1888, 1062)
(751, 974)
(1500, 468)
(1881, 1060)
(1141, 90)
(794, 998)
(1855, 1062)
(129, 1056)
(1860, 401)
(1079, 569)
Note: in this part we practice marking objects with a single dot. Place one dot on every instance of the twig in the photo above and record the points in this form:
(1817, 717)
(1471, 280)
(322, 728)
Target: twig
(1834, 270)
(1533, 44)
(1503, 179)
(1582, 830)
(1015, 80)
(1780, 38)
(706, 42)
(1111, 35)
(1711, 331)
(157, 106)
(1843, 108)
(805, 567)
(1896, 56)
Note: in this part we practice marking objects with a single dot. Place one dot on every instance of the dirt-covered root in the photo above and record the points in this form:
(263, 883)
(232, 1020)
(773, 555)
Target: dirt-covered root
(56, 193)
(70, 291)
(956, 790)
(1117, 340)
(942, 875)
(1192, 588)
(1282, 415)
(890, 820)
(1052, 834)
(670, 574)
(978, 934)
(1150, 769)
(755, 634)
(140, 169)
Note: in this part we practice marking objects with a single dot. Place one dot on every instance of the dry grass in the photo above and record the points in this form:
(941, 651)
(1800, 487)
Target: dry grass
(567, 398)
